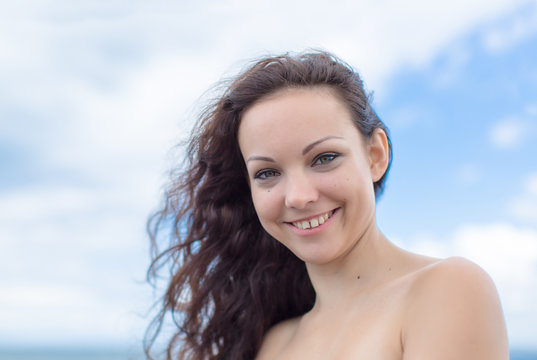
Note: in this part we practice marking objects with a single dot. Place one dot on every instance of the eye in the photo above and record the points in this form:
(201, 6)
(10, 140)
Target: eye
(266, 174)
(324, 158)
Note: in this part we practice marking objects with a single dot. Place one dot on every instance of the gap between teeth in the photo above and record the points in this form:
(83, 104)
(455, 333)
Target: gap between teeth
(312, 223)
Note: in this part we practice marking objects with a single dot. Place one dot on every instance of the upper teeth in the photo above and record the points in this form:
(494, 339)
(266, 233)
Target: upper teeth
(313, 222)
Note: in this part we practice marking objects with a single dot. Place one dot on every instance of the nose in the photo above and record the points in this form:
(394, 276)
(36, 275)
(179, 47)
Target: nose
(300, 190)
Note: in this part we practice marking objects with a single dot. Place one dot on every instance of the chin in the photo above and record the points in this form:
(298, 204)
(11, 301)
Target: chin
(315, 256)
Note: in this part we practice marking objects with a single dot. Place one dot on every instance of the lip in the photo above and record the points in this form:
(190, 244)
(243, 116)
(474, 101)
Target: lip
(307, 218)
(315, 230)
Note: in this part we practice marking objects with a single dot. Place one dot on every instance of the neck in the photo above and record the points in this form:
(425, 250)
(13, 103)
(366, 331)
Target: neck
(366, 265)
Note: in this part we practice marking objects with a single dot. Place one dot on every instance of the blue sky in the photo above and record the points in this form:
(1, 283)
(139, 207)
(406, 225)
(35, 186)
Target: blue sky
(93, 95)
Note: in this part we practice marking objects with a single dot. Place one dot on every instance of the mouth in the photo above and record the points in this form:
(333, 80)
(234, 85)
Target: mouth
(314, 221)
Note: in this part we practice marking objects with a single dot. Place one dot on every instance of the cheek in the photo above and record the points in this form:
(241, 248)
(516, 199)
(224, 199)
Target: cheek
(346, 183)
(266, 204)
(335, 185)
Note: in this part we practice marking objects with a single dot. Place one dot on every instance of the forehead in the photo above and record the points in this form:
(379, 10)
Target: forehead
(297, 101)
(295, 116)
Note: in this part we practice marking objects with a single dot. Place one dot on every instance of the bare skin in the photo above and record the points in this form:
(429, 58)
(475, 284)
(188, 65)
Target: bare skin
(419, 308)
(305, 158)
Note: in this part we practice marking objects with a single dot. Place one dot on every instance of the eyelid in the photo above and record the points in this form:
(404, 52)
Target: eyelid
(332, 154)
(258, 174)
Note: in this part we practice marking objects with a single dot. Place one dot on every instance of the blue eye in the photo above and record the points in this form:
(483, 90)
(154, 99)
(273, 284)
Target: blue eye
(325, 158)
(266, 174)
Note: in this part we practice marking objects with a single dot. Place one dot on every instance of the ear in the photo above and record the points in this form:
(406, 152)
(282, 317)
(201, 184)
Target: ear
(378, 151)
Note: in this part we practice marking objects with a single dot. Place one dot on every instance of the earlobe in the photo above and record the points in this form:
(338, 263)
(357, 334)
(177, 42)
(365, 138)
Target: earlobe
(378, 151)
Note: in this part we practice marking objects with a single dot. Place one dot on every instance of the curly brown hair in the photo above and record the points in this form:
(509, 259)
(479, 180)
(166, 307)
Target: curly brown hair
(230, 280)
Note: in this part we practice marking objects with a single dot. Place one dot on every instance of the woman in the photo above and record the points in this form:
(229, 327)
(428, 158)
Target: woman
(275, 252)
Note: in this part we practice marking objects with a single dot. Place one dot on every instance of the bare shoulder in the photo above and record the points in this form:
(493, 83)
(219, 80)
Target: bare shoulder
(453, 312)
(455, 276)
(277, 337)
(455, 271)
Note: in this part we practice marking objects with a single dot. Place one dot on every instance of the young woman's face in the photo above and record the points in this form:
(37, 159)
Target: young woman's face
(311, 173)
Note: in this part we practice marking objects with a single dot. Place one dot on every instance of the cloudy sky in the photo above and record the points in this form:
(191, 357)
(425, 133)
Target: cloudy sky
(94, 94)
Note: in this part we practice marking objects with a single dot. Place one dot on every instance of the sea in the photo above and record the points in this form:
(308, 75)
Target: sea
(71, 353)
(124, 354)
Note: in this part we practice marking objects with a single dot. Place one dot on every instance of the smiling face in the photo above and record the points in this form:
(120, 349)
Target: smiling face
(311, 172)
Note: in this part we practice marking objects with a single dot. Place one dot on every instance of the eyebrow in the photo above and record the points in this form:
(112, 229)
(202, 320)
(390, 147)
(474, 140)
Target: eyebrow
(304, 152)
(261, 158)
(315, 143)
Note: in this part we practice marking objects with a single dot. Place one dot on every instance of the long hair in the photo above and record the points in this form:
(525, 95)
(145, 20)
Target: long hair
(230, 280)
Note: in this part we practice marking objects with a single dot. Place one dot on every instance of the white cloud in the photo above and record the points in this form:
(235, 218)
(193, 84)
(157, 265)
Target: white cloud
(101, 90)
(72, 267)
(468, 174)
(409, 115)
(45, 202)
(524, 209)
(450, 71)
(509, 132)
(531, 109)
(379, 37)
(58, 314)
(509, 254)
(116, 76)
(524, 205)
(530, 184)
(512, 31)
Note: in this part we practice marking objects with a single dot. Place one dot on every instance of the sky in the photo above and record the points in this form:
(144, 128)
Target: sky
(94, 96)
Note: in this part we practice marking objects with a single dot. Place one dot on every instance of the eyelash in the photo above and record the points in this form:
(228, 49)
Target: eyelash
(262, 174)
(332, 157)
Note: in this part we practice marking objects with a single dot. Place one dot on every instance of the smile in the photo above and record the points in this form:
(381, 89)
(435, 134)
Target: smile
(313, 222)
